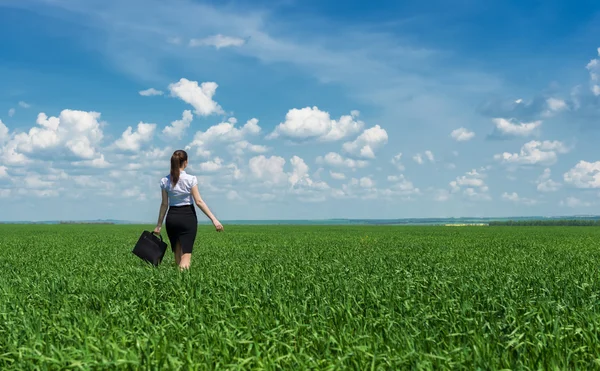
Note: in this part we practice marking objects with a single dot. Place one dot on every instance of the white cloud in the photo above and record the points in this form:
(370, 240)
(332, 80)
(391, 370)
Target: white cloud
(337, 176)
(514, 197)
(77, 132)
(534, 153)
(178, 127)
(24, 104)
(99, 163)
(462, 134)
(574, 202)
(11, 112)
(35, 181)
(268, 169)
(366, 182)
(509, 128)
(594, 67)
(311, 123)
(218, 41)
(365, 188)
(243, 146)
(584, 175)
(299, 171)
(396, 161)
(307, 189)
(198, 96)
(3, 132)
(402, 186)
(3, 171)
(441, 195)
(367, 143)
(334, 159)
(472, 184)
(545, 184)
(418, 158)
(226, 132)
(233, 195)
(150, 92)
(133, 141)
(556, 105)
(211, 166)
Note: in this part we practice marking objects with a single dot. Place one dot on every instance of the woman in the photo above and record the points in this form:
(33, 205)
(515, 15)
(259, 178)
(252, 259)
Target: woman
(178, 189)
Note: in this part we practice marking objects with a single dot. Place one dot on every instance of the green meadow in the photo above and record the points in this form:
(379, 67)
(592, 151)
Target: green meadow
(302, 297)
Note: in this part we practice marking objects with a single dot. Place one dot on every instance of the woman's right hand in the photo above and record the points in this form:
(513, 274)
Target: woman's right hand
(218, 226)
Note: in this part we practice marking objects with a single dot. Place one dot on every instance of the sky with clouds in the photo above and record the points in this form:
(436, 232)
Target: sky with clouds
(300, 110)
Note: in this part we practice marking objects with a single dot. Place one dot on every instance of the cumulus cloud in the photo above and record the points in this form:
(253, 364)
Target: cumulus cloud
(3, 133)
(472, 185)
(242, 147)
(418, 158)
(198, 96)
(534, 153)
(233, 195)
(584, 175)
(133, 141)
(545, 184)
(336, 175)
(218, 41)
(574, 202)
(366, 182)
(178, 127)
(310, 123)
(334, 159)
(365, 188)
(462, 134)
(441, 195)
(268, 169)
(74, 134)
(150, 92)
(402, 186)
(556, 104)
(299, 176)
(397, 161)
(226, 132)
(594, 68)
(514, 197)
(211, 166)
(367, 143)
(508, 128)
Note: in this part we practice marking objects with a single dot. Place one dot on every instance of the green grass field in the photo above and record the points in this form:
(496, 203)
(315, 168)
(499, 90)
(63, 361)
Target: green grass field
(294, 297)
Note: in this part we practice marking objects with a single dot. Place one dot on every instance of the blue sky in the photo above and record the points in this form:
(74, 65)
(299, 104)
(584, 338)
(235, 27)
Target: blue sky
(302, 110)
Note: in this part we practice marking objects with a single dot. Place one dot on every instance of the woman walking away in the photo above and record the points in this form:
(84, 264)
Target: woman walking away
(178, 190)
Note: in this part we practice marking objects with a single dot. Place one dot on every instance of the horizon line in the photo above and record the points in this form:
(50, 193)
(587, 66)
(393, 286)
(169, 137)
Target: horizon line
(308, 220)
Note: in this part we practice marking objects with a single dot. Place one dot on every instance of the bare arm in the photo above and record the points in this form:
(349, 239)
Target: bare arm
(164, 205)
(204, 207)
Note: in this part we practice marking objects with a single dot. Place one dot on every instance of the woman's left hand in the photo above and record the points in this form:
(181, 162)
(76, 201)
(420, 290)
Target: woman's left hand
(157, 230)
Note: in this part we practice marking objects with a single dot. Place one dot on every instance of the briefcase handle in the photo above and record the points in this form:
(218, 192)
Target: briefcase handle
(159, 235)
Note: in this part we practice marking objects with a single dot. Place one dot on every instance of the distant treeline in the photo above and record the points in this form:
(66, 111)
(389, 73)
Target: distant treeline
(67, 222)
(550, 223)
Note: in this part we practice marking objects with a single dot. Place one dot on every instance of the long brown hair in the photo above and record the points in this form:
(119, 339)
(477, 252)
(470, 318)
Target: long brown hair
(177, 159)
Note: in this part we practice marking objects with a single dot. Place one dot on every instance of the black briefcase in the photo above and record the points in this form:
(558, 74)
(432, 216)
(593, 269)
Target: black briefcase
(150, 248)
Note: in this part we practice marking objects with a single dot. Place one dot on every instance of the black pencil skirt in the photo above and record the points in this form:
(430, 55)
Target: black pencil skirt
(182, 226)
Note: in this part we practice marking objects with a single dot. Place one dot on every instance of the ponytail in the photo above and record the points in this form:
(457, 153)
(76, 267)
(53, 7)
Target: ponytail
(178, 158)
